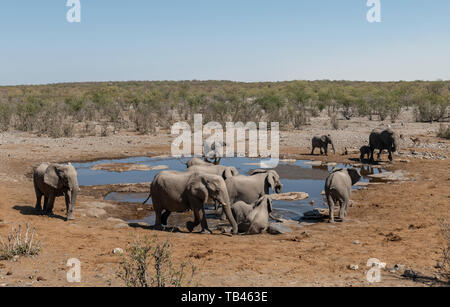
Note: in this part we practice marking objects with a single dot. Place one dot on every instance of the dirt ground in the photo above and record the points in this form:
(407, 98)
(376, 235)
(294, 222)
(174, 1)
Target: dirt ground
(396, 223)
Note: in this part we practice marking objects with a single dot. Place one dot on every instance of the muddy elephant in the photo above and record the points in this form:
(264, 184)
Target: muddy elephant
(322, 142)
(253, 218)
(251, 188)
(54, 180)
(338, 188)
(174, 191)
(383, 140)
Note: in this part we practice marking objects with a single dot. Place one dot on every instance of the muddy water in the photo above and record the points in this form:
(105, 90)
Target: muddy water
(298, 176)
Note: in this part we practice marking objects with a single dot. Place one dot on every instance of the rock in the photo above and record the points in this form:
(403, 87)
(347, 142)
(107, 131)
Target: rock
(16, 258)
(390, 176)
(3, 285)
(353, 267)
(121, 225)
(117, 251)
(96, 212)
(40, 278)
(292, 196)
(114, 220)
(278, 229)
(127, 167)
(410, 274)
(9, 273)
(356, 242)
(314, 163)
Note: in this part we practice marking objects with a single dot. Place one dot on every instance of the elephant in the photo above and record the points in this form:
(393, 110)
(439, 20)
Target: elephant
(197, 161)
(381, 140)
(365, 151)
(338, 187)
(254, 218)
(54, 180)
(174, 191)
(251, 188)
(322, 142)
(220, 170)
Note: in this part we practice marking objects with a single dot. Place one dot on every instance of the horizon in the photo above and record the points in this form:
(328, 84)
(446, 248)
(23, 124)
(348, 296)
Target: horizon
(250, 42)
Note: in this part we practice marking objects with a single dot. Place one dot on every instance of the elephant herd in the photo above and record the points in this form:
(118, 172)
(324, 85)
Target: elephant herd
(244, 199)
(379, 139)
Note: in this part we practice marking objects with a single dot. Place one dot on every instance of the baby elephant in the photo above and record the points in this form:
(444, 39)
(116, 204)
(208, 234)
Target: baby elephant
(254, 218)
(365, 151)
(54, 180)
(338, 188)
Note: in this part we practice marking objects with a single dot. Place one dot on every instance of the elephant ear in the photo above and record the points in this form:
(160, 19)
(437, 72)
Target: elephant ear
(354, 175)
(258, 171)
(234, 171)
(51, 176)
(269, 204)
(198, 189)
(336, 169)
(227, 173)
(324, 138)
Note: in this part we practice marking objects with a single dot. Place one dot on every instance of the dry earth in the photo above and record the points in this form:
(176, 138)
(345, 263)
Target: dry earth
(396, 223)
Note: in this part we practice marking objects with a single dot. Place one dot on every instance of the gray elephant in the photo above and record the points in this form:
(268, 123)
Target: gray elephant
(54, 180)
(220, 170)
(253, 218)
(197, 162)
(173, 191)
(381, 140)
(322, 143)
(251, 188)
(338, 188)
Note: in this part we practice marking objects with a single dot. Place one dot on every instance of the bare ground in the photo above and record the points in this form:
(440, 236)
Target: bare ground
(396, 223)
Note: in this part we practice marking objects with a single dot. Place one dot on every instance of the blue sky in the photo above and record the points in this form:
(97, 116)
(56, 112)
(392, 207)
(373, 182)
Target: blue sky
(242, 40)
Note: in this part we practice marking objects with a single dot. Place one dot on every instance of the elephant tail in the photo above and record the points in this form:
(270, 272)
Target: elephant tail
(149, 195)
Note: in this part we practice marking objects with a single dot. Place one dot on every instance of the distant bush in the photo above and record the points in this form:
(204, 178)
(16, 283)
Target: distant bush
(444, 131)
(146, 106)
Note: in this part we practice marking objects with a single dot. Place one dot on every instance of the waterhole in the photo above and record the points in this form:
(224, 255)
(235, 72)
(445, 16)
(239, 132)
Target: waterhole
(296, 176)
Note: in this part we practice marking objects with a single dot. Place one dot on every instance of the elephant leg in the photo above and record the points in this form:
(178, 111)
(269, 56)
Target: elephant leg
(326, 150)
(202, 217)
(312, 151)
(191, 225)
(50, 204)
(69, 207)
(45, 203)
(158, 212)
(165, 217)
(38, 205)
(331, 206)
(390, 156)
(343, 208)
(372, 151)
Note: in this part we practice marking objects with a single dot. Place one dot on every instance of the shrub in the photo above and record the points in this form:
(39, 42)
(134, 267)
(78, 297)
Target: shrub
(18, 245)
(444, 266)
(142, 255)
(444, 131)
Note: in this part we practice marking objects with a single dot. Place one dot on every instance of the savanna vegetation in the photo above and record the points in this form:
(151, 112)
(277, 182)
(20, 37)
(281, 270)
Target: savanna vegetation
(61, 110)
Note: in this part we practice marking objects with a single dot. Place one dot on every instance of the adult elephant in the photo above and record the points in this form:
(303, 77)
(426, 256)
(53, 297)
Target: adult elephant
(253, 218)
(322, 142)
(251, 188)
(197, 162)
(220, 170)
(174, 191)
(338, 187)
(383, 140)
(54, 180)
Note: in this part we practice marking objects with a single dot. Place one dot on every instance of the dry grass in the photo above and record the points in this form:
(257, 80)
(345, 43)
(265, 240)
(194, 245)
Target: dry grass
(444, 131)
(18, 244)
(444, 266)
(148, 264)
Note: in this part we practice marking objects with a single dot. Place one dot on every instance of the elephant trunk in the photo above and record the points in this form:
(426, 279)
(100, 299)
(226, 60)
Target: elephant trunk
(332, 146)
(229, 215)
